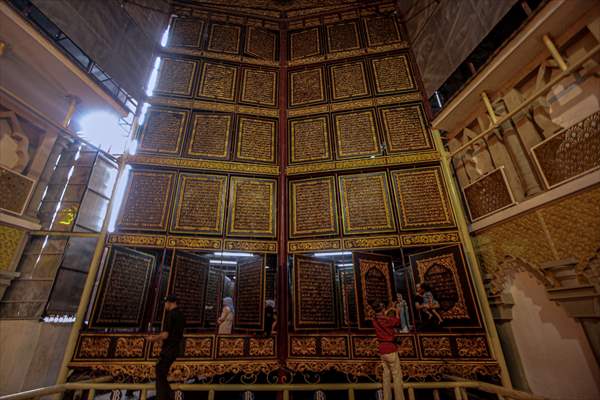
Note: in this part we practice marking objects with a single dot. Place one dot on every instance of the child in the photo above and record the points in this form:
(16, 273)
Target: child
(429, 304)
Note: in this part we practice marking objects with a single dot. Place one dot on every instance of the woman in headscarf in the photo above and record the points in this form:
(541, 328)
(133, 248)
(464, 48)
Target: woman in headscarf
(225, 321)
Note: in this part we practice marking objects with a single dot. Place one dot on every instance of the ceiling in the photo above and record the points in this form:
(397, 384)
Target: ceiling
(277, 5)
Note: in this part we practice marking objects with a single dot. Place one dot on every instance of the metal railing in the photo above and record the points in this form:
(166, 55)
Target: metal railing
(460, 389)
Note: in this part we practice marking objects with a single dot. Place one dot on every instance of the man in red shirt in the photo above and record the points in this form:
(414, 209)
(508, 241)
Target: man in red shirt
(384, 324)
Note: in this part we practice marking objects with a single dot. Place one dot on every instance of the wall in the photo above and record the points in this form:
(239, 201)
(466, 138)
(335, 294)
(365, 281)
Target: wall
(557, 358)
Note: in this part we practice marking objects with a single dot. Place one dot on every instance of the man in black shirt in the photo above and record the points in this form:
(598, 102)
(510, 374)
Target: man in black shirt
(172, 339)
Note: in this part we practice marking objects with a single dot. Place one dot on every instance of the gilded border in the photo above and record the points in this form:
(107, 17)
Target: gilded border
(233, 182)
(210, 36)
(137, 240)
(292, 126)
(322, 97)
(203, 81)
(225, 152)
(183, 120)
(188, 93)
(376, 76)
(334, 82)
(423, 126)
(300, 246)
(193, 243)
(356, 36)
(261, 246)
(240, 133)
(247, 43)
(333, 216)
(204, 165)
(273, 101)
(372, 130)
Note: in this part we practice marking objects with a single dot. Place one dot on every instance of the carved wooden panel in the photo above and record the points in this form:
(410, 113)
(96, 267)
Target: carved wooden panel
(210, 137)
(188, 281)
(366, 203)
(343, 36)
(259, 87)
(15, 192)
(252, 207)
(175, 77)
(147, 200)
(405, 129)
(306, 87)
(382, 30)
(313, 207)
(305, 43)
(348, 80)
(163, 131)
(314, 293)
(356, 134)
(392, 74)
(200, 204)
(422, 199)
(123, 288)
(224, 38)
(309, 139)
(256, 139)
(250, 294)
(373, 277)
(488, 194)
(186, 32)
(261, 43)
(218, 81)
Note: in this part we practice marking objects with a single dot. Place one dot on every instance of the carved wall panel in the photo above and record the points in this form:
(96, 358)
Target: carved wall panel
(250, 295)
(314, 293)
(381, 30)
(319, 346)
(309, 139)
(252, 207)
(210, 136)
(163, 131)
(224, 38)
(373, 277)
(421, 198)
(175, 77)
(488, 194)
(366, 203)
(256, 140)
(123, 288)
(343, 36)
(218, 81)
(200, 204)
(356, 134)
(392, 74)
(261, 43)
(348, 80)
(306, 87)
(405, 129)
(147, 202)
(186, 32)
(305, 43)
(259, 87)
(188, 282)
(16, 190)
(313, 207)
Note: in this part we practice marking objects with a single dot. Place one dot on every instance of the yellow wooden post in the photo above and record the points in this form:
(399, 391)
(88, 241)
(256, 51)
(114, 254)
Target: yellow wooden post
(562, 64)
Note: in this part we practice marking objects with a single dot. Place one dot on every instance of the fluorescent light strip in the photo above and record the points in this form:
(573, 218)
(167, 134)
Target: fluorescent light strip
(333, 254)
(345, 265)
(223, 262)
(232, 254)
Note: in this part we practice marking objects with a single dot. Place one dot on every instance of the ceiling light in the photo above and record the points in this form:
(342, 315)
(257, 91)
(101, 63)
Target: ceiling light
(333, 254)
(223, 262)
(232, 254)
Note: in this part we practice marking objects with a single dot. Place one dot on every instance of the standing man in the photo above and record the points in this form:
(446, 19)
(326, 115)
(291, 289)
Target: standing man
(384, 323)
(172, 340)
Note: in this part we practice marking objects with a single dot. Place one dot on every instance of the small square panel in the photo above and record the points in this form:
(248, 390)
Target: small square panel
(224, 38)
(313, 207)
(162, 131)
(211, 133)
(175, 77)
(366, 203)
(256, 139)
(186, 32)
(348, 80)
(343, 36)
(421, 198)
(309, 139)
(305, 44)
(252, 207)
(392, 74)
(261, 43)
(306, 87)
(405, 129)
(382, 30)
(259, 87)
(356, 134)
(218, 81)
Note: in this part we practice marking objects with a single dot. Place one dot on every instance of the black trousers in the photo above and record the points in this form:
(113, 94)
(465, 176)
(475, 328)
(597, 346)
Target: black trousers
(165, 360)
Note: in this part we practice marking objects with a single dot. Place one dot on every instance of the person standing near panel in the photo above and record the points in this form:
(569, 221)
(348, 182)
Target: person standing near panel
(384, 323)
(172, 341)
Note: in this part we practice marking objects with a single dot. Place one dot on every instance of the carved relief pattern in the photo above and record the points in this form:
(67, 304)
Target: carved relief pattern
(218, 81)
(372, 242)
(488, 194)
(421, 198)
(256, 140)
(130, 347)
(405, 129)
(436, 346)
(198, 347)
(231, 347)
(306, 87)
(259, 87)
(382, 30)
(188, 163)
(406, 347)
(210, 135)
(10, 241)
(224, 38)
(176, 77)
(343, 36)
(138, 240)
(430, 238)
(251, 245)
(15, 190)
(304, 43)
(163, 131)
(392, 74)
(303, 345)
(261, 347)
(349, 80)
(186, 32)
(252, 206)
(356, 134)
(193, 243)
(309, 139)
(314, 245)
(201, 203)
(313, 207)
(261, 43)
(472, 347)
(365, 347)
(334, 346)
(94, 347)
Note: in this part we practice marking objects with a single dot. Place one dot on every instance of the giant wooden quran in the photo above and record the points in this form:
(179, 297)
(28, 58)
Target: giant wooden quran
(284, 135)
